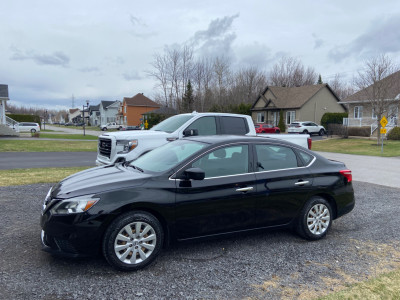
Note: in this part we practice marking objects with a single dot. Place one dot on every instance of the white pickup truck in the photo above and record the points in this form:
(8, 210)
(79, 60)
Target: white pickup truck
(117, 147)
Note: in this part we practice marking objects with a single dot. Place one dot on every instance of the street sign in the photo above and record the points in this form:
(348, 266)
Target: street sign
(383, 130)
(384, 121)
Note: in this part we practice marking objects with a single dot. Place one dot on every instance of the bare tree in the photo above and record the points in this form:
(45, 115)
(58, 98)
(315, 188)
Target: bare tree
(379, 84)
(289, 71)
(341, 89)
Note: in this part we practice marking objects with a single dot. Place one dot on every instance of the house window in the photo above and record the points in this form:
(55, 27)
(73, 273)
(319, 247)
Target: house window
(374, 116)
(125, 109)
(260, 117)
(358, 112)
(290, 117)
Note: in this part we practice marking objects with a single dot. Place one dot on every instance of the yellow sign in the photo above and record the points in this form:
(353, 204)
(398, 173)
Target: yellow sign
(383, 130)
(146, 125)
(384, 121)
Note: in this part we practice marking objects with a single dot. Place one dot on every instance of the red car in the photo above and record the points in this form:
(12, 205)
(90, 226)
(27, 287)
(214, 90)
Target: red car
(266, 128)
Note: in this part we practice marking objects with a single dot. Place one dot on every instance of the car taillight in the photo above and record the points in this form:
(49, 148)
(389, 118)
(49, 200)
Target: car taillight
(347, 175)
(297, 126)
(309, 142)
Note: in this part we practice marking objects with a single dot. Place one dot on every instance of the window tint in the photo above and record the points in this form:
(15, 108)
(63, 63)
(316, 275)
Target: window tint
(234, 125)
(225, 161)
(205, 126)
(271, 157)
(307, 158)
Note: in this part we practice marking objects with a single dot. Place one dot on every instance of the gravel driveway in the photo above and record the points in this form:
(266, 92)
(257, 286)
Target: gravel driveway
(266, 265)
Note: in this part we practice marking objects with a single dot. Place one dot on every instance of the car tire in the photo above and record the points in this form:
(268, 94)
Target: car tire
(33, 130)
(305, 131)
(277, 131)
(126, 250)
(321, 132)
(315, 219)
(104, 129)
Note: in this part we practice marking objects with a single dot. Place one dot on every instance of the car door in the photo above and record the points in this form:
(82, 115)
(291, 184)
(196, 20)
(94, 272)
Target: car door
(313, 127)
(283, 184)
(223, 201)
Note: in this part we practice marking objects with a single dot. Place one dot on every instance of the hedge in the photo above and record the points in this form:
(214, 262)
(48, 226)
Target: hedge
(394, 134)
(333, 118)
(25, 118)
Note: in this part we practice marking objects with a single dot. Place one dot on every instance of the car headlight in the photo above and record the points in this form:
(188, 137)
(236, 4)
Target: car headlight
(128, 145)
(74, 205)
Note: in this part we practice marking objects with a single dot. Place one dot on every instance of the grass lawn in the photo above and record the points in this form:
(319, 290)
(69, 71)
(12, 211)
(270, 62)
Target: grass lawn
(36, 175)
(37, 145)
(67, 136)
(357, 146)
(386, 286)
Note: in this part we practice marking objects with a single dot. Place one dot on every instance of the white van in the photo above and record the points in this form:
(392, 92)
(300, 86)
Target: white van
(29, 126)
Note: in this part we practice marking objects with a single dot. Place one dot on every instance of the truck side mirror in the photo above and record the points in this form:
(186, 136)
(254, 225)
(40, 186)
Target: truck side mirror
(190, 132)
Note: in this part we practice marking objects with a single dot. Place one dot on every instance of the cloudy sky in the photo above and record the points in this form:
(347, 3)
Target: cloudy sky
(101, 50)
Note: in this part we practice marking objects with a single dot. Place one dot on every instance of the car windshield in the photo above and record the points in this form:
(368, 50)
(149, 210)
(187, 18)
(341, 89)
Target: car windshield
(171, 124)
(167, 156)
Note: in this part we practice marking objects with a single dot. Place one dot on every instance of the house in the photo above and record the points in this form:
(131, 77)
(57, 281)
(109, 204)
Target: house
(133, 108)
(3, 99)
(302, 103)
(360, 108)
(6, 123)
(74, 115)
(94, 115)
(108, 111)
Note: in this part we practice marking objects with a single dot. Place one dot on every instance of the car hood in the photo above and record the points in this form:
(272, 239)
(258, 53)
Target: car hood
(136, 133)
(98, 180)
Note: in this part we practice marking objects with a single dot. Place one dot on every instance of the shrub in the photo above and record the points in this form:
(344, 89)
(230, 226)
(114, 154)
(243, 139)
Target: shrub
(337, 129)
(332, 118)
(394, 134)
(25, 118)
(359, 131)
(281, 123)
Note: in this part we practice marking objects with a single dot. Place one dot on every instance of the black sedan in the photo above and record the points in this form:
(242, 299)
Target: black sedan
(193, 188)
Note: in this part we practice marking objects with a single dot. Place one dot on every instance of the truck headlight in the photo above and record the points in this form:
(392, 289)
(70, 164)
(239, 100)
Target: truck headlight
(74, 205)
(128, 145)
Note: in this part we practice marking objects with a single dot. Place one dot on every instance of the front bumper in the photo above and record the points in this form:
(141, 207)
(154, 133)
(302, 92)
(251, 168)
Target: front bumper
(77, 235)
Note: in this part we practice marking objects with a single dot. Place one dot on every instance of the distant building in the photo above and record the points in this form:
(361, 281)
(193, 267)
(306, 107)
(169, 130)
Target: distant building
(133, 108)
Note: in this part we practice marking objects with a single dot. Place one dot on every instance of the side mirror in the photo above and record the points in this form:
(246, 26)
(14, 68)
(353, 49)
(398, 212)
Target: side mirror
(190, 132)
(195, 174)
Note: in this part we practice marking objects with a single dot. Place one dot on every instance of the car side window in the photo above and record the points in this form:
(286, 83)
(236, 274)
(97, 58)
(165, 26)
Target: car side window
(234, 125)
(272, 157)
(307, 158)
(225, 161)
(205, 126)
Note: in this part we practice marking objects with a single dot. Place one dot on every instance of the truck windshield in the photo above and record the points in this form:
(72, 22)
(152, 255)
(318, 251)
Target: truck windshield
(166, 156)
(171, 124)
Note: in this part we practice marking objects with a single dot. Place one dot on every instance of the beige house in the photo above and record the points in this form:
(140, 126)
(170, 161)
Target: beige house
(361, 110)
(303, 103)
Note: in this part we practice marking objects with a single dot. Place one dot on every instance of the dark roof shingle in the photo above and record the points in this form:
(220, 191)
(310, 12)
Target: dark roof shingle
(140, 100)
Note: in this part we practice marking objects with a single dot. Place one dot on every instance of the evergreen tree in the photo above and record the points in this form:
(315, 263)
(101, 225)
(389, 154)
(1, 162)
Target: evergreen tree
(320, 79)
(281, 123)
(188, 98)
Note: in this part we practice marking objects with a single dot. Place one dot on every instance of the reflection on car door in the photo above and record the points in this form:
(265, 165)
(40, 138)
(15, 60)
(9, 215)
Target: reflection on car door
(223, 201)
(283, 184)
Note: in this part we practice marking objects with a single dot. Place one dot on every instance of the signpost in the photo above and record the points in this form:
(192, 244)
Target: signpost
(383, 122)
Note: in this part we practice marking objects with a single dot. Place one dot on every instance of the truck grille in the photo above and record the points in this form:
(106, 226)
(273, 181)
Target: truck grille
(105, 147)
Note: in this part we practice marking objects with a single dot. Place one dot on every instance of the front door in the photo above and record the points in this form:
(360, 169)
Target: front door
(223, 201)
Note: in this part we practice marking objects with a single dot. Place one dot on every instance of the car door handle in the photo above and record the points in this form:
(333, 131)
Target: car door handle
(302, 183)
(245, 189)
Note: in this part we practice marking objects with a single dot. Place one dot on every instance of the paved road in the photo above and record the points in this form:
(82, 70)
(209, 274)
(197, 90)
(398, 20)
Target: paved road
(19, 160)
(73, 130)
(371, 169)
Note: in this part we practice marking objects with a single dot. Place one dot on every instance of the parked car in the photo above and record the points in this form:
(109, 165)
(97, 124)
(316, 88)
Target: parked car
(266, 128)
(131, 128)
(79, 124)
(69, 124)
(28, 127)
(306, 127)
(193, 188)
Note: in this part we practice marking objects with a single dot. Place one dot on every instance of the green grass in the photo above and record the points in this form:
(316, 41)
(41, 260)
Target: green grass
(36, 175)
(357, 146)
(37, 145)
(67, 136)
(386, 286)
